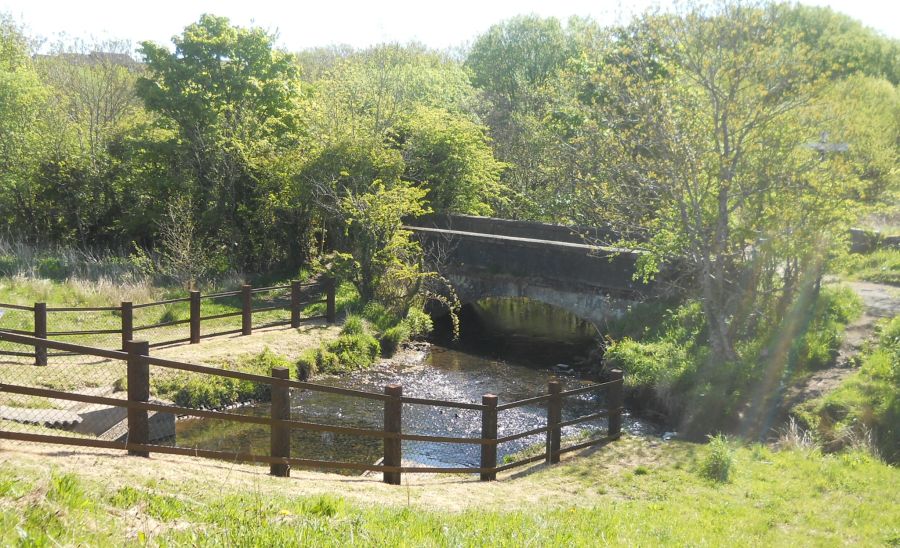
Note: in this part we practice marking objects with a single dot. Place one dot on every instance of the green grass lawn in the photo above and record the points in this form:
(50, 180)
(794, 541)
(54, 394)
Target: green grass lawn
(633, 492)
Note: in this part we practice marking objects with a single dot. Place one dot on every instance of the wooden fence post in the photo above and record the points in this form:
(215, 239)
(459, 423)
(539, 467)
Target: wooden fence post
(330, 291)
(295, 303)
(489, 432)
(554, 417)
(393, 453)
(138, 391)
(280, 445)
(246, 310)
(40, 331)
(195, 317)
(615, 401)
(127, 323)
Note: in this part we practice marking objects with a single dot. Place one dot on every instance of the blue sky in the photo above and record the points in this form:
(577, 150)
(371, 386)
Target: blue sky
(301, 24)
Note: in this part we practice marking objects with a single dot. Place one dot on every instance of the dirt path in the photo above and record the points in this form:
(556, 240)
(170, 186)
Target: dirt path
(879, 301)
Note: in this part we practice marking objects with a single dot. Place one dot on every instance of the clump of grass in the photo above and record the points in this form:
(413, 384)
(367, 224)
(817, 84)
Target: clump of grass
(355, 348)
(416, 324)
(795, 437)
(718, 464)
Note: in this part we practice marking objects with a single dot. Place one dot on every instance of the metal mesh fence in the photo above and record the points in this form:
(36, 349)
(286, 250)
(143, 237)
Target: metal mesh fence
(64, 371)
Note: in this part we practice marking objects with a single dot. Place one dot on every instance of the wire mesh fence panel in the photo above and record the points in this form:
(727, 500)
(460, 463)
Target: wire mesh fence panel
(25, 407)
(16, 319)
(206, 392)
(162, 323)
(93, 328)
(220, 315)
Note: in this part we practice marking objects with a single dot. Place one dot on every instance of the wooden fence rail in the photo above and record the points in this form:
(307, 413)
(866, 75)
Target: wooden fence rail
(128, 328)
(138, 361)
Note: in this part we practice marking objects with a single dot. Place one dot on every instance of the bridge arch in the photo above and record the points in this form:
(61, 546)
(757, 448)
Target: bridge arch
(593, 306)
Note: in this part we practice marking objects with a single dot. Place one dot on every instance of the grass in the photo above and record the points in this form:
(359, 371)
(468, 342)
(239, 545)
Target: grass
(881, 266)
(865, 408)
(634, 492)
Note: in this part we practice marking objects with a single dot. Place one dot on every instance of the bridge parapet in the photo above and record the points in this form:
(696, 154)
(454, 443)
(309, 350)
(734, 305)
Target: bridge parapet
(593, 282)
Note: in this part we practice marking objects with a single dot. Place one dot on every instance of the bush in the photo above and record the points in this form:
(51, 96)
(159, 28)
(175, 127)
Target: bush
(653, 370)
(718, 464)
(380, 316)
(214, 392)
(307, 365)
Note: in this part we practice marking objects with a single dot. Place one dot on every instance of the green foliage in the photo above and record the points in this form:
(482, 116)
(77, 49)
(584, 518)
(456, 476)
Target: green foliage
(450, 156)
(818, 346)
(207, 391)
(353, 325)
(393, 338)
(383, 261)
(419, 322)
(353, 351)
(718, 464)
(865, 404)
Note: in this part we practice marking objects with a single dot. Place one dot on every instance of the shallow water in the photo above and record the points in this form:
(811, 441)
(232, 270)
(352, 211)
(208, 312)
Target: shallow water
(447, 375)
(491, 358)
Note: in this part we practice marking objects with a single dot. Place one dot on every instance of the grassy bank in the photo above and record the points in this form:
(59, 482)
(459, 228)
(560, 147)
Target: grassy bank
(865, 408)
(634, 492)
(663, 350)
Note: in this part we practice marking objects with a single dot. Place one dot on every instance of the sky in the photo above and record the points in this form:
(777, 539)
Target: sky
(302, 24)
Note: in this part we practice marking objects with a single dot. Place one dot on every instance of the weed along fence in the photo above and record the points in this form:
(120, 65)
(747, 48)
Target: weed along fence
(140, 416)
(170, 321)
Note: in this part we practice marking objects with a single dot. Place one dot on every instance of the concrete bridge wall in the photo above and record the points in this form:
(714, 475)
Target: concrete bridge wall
(593, 283)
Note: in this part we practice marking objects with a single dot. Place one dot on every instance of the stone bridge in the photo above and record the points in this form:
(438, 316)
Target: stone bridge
(487, 257)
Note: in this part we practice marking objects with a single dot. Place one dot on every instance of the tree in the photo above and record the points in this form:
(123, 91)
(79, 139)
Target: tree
(450, 157)
(232, 98)
(703, 159)
(382, 260)
(23, 101)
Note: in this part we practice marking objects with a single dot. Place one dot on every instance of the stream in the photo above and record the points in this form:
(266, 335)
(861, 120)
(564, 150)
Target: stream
(505, 348)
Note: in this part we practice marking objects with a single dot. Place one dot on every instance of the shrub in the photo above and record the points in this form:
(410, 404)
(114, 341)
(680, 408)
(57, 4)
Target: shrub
(307, 365)
(718, 464)
(380, 316)
(652, 369)
(53, 268)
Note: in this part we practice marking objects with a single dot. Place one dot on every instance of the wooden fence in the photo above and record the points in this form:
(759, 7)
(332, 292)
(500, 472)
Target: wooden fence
(128, 330)
(138, 360)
